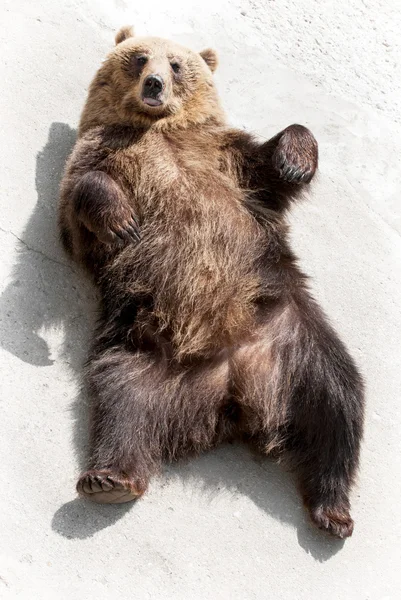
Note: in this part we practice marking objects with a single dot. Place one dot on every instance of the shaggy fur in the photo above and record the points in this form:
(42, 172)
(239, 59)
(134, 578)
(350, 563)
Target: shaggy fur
(208, 330)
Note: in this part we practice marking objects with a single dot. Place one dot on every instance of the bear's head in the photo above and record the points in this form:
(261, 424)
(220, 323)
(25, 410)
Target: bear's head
(147, 81)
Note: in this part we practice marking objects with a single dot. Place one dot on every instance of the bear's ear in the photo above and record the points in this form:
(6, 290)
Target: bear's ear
(124, 33)
(210, 58)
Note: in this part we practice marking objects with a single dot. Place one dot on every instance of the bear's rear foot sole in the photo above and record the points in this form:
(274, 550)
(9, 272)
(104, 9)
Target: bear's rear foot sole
(107, 487)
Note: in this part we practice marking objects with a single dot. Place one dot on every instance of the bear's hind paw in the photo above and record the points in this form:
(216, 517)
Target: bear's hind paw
(106, 487)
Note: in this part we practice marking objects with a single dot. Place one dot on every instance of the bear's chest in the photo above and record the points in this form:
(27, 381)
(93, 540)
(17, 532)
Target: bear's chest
(175, 166)
(181, 188)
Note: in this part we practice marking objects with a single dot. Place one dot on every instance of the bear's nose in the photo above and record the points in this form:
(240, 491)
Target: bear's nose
(153, 85)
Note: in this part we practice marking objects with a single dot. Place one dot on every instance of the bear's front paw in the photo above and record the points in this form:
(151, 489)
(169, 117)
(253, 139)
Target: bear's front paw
(103, 208)
(119, 230)
(296, 155)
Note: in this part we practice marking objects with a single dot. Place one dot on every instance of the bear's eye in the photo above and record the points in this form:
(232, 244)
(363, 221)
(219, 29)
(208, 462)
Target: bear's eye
(141, 60)
(176, 67)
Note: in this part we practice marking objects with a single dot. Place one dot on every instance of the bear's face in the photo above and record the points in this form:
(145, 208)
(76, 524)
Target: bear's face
(147, 80)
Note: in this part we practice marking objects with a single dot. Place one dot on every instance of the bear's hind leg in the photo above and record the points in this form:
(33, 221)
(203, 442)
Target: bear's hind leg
(324, 434)
(325, 410)
(303, 396)
(144, 411)
(124, 452)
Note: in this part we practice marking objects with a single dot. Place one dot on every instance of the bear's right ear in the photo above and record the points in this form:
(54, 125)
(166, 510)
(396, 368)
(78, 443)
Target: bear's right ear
(124, 33)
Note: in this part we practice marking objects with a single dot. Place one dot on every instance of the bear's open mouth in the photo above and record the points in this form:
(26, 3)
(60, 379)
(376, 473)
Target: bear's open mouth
(152, 101)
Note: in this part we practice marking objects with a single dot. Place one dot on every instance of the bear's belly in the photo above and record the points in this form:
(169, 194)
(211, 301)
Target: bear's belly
(197, 261)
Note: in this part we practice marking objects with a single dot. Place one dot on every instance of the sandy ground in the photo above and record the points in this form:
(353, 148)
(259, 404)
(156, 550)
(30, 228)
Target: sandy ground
(227, 525)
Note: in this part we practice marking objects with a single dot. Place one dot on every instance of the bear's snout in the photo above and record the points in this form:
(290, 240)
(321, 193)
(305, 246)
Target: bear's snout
(152, 88)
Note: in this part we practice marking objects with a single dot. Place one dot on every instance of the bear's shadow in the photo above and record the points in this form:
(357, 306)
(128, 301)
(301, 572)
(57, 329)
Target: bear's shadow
(46, 291)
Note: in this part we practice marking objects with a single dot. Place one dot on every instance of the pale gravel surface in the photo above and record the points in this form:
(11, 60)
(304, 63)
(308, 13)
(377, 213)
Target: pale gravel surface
(228, 525)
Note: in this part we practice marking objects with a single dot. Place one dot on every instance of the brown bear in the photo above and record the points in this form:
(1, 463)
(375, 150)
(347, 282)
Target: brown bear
(207, 331)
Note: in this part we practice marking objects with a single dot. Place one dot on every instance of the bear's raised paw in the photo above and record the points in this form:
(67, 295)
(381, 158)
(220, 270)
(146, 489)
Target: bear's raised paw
(296, 155)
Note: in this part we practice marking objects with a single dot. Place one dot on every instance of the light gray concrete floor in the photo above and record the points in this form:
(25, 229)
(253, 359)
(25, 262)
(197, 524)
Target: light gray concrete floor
(227, 525)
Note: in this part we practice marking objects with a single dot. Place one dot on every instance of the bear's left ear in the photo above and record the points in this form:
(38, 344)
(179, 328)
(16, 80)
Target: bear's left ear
(210, 58)
(123, 34)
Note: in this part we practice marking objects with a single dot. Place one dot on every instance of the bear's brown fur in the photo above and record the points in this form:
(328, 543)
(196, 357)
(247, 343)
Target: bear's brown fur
(208, 331)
